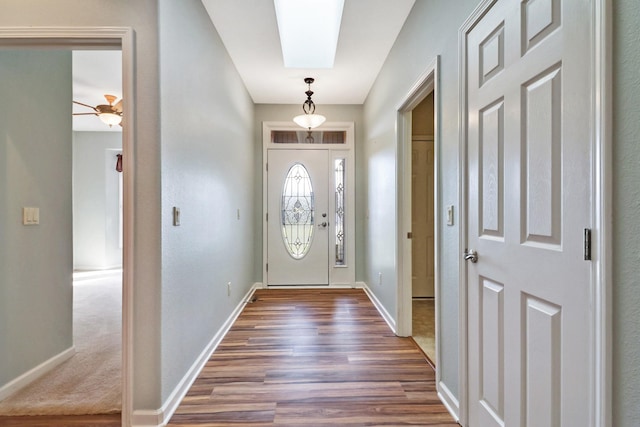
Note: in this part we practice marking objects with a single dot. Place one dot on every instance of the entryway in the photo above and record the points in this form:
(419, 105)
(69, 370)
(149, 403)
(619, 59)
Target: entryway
(309, 205)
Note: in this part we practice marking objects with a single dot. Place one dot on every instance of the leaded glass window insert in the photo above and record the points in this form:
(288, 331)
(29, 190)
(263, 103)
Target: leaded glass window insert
(339, 168)
(297, 213)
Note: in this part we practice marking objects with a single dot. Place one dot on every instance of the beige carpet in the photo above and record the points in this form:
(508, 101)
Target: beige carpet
(424, 326)
(90, 381)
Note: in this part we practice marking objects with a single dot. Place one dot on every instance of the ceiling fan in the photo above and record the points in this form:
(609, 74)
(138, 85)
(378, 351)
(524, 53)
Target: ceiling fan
(110, 114)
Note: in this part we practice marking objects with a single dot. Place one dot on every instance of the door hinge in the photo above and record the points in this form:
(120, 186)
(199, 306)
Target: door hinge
(267, 216)
(267, 267)
(587, 244)
(409, 235)
(266, 165)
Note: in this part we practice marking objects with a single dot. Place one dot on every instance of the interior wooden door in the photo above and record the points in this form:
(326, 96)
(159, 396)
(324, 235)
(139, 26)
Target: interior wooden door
(529, 200)
(422, 218)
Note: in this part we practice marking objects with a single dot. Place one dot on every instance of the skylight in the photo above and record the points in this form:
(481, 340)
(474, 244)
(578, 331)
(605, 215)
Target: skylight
(309, 31)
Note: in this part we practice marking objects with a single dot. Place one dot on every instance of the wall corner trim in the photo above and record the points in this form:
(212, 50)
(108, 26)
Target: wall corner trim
(147, 418)
(23, 380)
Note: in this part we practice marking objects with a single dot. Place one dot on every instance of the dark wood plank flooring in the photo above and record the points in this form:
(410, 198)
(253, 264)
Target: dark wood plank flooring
(63, 421)
(300, 357)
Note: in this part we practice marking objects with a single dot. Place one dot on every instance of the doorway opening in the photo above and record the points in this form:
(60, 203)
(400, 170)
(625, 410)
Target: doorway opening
(423, 327)
(58, 207)
(86, 193)
(97, 230)
(427, 85)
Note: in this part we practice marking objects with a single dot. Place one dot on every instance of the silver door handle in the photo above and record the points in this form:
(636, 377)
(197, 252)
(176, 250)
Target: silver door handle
(323, 224)
(471, 256)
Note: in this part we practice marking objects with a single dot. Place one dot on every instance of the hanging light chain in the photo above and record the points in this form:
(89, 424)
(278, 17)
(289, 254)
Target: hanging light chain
(308, 106)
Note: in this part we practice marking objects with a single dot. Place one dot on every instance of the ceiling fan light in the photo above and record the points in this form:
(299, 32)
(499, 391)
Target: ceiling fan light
(110, 118)
(309, 121)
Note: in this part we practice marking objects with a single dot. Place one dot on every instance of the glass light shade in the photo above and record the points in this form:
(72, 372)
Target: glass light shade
(110, 118)
(309, 121)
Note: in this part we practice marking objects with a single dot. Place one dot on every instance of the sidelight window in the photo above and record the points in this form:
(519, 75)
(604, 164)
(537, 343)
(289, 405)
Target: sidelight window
(339, 169)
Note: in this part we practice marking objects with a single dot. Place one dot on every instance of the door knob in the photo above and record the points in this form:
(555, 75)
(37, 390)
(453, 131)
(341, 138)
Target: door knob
(323, 224)
(471, 255)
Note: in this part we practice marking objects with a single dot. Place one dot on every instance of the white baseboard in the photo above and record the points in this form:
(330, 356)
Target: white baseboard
(160, 417)
(376, 302)
(148, 418)
(449, 400)
(35, 373)
(336, 286)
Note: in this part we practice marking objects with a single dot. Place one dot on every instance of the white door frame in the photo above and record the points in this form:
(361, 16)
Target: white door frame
(339, 276)
(121, 38)
(428, 82)
(601, 265)
(425, 84)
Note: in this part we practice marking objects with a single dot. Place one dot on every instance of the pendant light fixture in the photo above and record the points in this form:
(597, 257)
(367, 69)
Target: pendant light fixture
(309, 119)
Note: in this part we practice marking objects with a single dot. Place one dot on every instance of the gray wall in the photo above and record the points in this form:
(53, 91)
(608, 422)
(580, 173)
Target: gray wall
(333, 113)
(430, 30)
(96, 213)
(35, 166)
(208, 172)
(626, 209)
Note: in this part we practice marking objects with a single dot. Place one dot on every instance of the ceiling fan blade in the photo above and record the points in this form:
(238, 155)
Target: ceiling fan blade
(118, 106)
(85, 105)
(83, 114)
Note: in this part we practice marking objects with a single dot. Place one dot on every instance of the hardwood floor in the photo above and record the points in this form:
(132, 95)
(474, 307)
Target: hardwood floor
(301, 357)
(63, 421)
(313, 358)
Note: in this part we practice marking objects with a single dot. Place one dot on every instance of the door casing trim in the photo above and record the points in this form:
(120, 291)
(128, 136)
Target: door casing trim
(106, 38)
(428, 82)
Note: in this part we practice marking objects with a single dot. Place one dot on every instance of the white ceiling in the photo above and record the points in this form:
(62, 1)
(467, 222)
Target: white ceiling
(249, 31)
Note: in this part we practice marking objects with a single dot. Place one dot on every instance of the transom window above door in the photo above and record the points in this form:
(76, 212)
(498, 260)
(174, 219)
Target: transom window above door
(308, 137)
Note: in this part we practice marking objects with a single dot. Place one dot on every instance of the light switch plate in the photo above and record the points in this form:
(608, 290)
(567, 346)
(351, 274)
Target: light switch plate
(30, 216)
(176, 216)
(450, 215)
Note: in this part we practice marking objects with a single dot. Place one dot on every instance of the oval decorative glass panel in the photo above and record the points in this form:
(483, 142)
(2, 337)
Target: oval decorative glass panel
(297, 212)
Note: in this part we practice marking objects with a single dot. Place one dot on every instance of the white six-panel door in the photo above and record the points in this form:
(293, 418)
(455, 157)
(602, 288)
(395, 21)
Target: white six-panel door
(528, 202)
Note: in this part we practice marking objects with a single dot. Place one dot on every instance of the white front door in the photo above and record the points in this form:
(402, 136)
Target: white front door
(298, 217)
(529, 200)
